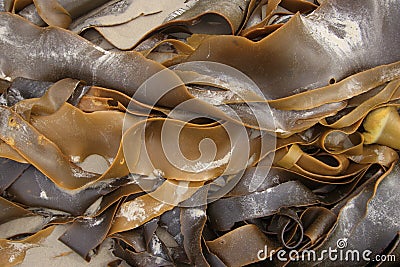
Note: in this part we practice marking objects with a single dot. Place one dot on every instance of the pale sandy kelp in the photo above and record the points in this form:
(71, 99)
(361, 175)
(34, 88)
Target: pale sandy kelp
(200, 133)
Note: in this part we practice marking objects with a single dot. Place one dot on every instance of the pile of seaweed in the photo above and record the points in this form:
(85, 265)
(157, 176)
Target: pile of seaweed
(201, 133)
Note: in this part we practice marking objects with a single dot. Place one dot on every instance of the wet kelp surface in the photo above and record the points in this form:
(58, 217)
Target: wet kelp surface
(108, 108)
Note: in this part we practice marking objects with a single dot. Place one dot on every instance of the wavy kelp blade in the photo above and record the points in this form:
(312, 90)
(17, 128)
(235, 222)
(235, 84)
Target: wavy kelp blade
(272, 16)
(223, 17)
(229, 247)
(53, 13)
(144, 208)
(225, 212)
(193, 220)
(13, 252)
(323, 167)
(368, 213)
(388, 93)
(49, 141)
(22, 88)
(5, 5)
(392, 251)
(124, 191)
(68, 51)
(115, 100)
(117, 13)
(166, 58)
(101, 131)
(132, 21)
(8, 152)
(92, 230)
(314, 40)
(11, 211)
(303, 6)
(60, 14)
(13, 5)
(205, 14)
(141, 259)
(349, 87)
(260, 16)
(171, 221)
(10, 171)
(133, 238)
(50, 102)
(17, 137)
(317, 221)
(36, 190)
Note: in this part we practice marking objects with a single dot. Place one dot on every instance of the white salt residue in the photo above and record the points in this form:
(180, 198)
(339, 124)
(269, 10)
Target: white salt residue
(95, 222)
(340, 34)
(349, 206)
(103, 60)
(381, 156)
(75, 159)
(18, 249)
(101, 49)
(110, 160)
(269, 190)
(151, 176)
(390, 75)
(7, 36)
(215, 97)
(209, 50)
(380, 208)
(204, 166)
(196, 213)
(178, 12)
(3, 75)
(157, 209)
(357, 159)
(237, 85)
(133, 210)
(78, 173)
(346, 222)
(281, 131)
(134, 179)
(156, 245)
(158, 173)
(21, 246)
(252, 206)
(254, 182)
(240, 85)
(43, 195)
